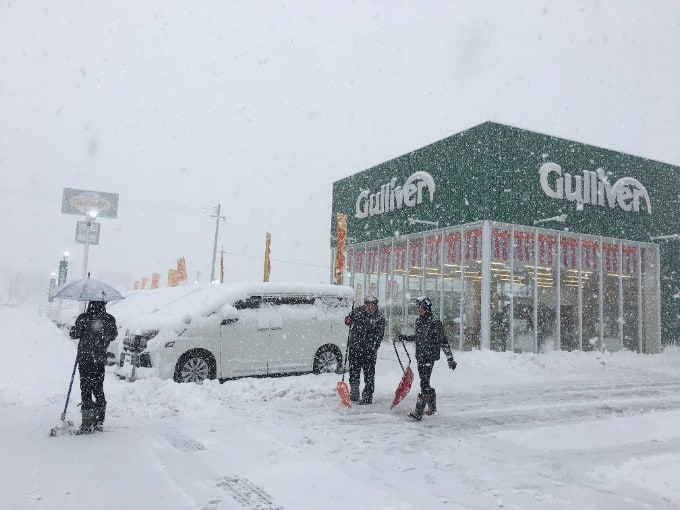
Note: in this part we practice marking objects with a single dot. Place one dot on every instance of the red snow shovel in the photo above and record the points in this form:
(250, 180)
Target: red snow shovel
(406, 380)
(343, 390)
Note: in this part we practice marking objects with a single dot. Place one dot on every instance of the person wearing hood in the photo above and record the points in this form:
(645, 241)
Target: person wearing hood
(96, 329)
(367, 329)
(430, 339)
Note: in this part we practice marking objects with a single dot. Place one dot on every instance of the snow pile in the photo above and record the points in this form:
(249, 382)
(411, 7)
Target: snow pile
(559, 430)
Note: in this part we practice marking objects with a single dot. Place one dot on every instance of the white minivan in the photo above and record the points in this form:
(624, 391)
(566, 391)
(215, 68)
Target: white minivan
(235, 330)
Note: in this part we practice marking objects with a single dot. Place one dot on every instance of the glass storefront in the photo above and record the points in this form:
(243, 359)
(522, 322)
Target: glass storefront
(510, 287)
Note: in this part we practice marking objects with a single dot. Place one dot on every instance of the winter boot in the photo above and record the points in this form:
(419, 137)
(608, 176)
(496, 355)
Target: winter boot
(431, 402)
(89, 420)
(365, 400)
(420, 407)
(354, 393)
(101, 415)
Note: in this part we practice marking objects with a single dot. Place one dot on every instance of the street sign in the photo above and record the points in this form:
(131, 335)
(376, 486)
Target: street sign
(81, 229)
(83, 202)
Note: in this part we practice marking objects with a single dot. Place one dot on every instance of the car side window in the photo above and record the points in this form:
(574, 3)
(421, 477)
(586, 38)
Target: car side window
(251, 302)
(331, 302)
(289, 300)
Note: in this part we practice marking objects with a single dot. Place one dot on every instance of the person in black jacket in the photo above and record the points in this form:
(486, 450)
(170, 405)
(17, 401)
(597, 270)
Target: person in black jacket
(367, 329)
(96, 329)
(430, 339)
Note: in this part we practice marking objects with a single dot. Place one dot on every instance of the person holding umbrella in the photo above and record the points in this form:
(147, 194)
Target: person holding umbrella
(367, 329)
(430, 338)
(96, 329)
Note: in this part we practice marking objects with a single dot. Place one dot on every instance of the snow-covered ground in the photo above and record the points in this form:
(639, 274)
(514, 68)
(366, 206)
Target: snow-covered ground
(551, 431)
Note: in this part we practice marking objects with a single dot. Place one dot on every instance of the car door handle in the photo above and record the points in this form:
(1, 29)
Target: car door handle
(262, 329)
(277, 327)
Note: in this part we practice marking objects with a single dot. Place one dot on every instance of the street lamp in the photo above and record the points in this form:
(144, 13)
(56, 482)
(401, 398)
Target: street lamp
(348, 239)
(561, 218)
(665, 238)
(413, 221)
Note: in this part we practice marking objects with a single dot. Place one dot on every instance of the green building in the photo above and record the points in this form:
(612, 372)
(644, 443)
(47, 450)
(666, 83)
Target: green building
(523, 241)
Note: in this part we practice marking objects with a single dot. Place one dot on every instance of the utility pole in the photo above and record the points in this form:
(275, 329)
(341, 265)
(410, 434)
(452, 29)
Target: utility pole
(217, 231)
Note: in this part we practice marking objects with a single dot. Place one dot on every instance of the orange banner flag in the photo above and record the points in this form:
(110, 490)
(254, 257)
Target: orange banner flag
(174, 278)
(155, 280)
(222, 265)
(340, 248)
(267, 262)
(182, 268)
(144, 282)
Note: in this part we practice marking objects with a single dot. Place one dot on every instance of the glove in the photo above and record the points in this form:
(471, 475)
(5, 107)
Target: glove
(452, 363)
(348, 321)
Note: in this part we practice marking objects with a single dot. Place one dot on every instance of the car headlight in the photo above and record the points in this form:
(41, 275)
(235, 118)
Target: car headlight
(137, 342)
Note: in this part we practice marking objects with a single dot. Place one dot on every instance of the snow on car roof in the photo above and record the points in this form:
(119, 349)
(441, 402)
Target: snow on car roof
(174, 306)
(144, 302)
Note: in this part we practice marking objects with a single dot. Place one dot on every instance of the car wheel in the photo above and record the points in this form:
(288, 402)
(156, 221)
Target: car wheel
(327, 360)
(195, 366)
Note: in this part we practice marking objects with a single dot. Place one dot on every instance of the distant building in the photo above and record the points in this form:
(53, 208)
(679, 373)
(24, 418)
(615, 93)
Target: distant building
(523, 241)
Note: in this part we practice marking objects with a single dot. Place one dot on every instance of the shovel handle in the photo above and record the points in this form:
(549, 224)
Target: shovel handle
(405, 350)
(70, 385)
(394, 344)
(349, 331)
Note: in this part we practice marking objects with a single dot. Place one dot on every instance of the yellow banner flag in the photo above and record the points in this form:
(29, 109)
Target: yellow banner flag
(340, 248)
(267, 251)
(144, 282)
(155, 280)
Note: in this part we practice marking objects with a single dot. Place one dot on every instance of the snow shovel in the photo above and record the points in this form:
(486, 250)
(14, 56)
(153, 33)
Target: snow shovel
(343, 390)
(65, 424)
(406, 380)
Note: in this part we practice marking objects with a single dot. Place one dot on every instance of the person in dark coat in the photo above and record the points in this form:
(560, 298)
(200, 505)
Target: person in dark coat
(96, 329)
(430, 339)
(367, 329)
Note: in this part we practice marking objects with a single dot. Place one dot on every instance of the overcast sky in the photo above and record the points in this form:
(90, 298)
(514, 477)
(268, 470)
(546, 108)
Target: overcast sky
(260, 106)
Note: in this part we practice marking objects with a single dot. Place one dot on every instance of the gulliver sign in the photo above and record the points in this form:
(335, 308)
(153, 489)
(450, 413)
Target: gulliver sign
(593, 188)
(391, 196)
